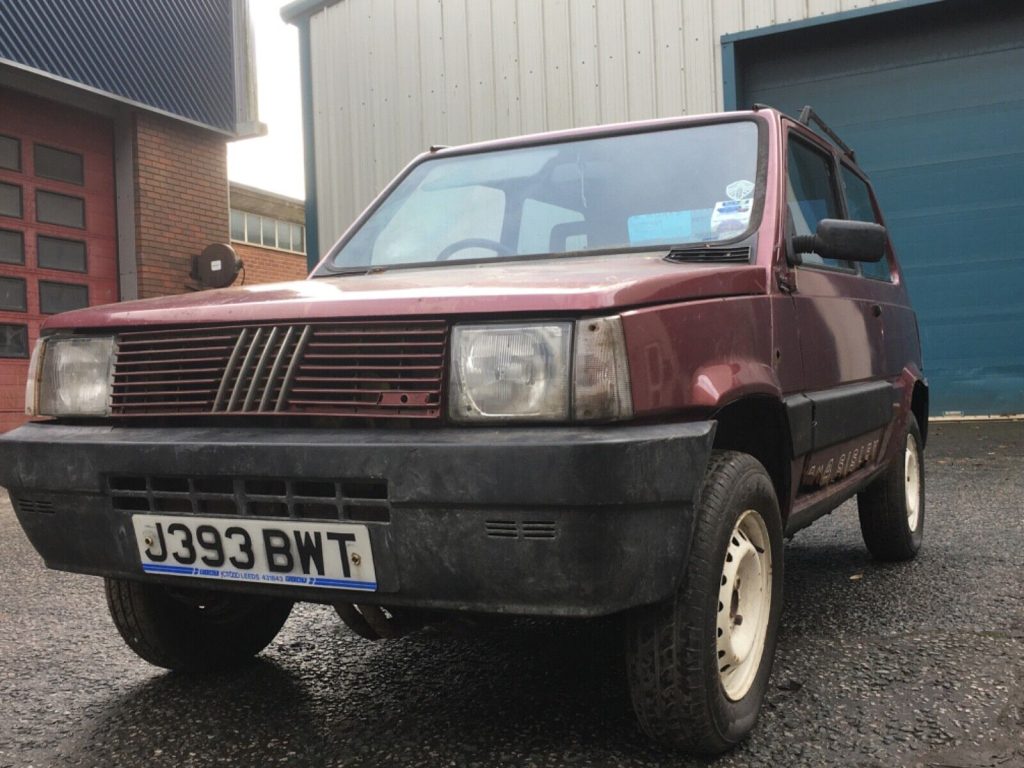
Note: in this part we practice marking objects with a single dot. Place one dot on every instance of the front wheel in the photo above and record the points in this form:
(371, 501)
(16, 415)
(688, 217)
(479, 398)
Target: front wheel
(699, 663)
(192, 629)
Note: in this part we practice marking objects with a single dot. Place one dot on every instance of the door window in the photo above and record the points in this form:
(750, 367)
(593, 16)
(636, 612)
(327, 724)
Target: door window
(811, 196)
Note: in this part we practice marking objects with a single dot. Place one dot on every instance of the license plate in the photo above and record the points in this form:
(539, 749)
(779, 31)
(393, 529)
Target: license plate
(331, 555)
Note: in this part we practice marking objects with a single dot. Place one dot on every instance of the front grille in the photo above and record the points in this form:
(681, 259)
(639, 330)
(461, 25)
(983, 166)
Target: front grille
(358, 500)
(373, 369)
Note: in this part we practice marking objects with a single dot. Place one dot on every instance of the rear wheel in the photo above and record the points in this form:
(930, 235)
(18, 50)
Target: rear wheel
(699, 663)
(193, 629)
(891, 509)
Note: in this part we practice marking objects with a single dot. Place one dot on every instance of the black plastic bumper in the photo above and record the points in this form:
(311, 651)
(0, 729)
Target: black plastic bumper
(618, 501)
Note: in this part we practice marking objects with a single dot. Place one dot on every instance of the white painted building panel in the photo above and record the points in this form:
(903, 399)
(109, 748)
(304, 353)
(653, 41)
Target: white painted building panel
(612, 93)
(430, 125)
(558, 64)
(507, 89)
(641, 67)
(585, 72)
(669, 46)
(822, 7)
(455, 43)
(482, 88)
(531, 64)
(392, 77)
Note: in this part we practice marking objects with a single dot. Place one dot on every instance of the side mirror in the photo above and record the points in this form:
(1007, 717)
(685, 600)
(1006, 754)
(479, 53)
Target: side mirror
(844, 240)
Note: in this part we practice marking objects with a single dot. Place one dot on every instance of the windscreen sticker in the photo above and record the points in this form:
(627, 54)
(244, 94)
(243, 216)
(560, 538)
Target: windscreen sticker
(740, 190)
(731, 217)
(666, 226)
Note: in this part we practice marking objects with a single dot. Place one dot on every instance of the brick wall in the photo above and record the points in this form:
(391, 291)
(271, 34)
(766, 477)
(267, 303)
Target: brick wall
(267, 265)
(181, 200)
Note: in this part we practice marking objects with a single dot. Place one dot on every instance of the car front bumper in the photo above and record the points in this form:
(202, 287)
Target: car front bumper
(570, 521)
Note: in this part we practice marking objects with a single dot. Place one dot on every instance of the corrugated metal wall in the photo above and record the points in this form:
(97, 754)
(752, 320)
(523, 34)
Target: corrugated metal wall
(178, 57)
(391, 77)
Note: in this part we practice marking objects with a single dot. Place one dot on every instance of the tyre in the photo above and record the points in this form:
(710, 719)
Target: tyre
(891, 509)
(698, 664)
(191, 629)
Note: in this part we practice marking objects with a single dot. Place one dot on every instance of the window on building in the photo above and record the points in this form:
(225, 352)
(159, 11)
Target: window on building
(61, 297)
(58, 164)
(58, 253)
(13, 341)
(10, 200)
(237, 225)
(12, 247)
(267, 231)
(13, 297)
(65, 210)
(10, 153)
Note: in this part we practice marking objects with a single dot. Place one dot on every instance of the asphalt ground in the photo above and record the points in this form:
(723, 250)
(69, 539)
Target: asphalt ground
(917, 664)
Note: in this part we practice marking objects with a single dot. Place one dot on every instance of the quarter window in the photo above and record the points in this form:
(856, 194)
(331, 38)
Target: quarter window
(860, 208)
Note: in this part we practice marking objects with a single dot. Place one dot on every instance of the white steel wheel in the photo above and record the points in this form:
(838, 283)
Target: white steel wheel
(744, 604)
(912, 482)
(698, 663)
(892, 508)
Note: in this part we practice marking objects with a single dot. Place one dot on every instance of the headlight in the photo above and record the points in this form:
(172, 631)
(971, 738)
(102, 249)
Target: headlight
(510, 372)
(540, 372)
(70, 377)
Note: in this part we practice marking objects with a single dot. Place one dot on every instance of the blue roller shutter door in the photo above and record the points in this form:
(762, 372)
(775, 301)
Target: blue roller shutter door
(932, 99)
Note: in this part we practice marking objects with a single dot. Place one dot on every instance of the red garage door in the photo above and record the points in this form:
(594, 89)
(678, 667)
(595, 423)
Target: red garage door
(58, 232)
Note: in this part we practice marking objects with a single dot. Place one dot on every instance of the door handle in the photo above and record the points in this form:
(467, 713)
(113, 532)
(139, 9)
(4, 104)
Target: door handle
(876, 310)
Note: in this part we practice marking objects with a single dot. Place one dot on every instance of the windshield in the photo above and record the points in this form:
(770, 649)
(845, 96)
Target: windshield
(681, 186)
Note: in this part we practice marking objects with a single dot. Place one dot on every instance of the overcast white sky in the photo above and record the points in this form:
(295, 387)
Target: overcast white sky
(273, 162)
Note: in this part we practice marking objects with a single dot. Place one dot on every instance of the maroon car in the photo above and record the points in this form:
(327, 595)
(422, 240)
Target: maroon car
(575, 374)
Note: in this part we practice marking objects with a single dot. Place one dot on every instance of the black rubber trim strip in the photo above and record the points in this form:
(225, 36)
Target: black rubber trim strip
(820, 419)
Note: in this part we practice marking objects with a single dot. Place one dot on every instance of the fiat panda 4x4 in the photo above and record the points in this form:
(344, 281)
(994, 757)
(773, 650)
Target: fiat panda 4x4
(592, 372)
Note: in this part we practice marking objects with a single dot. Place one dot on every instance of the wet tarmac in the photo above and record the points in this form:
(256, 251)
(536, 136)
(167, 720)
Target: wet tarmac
(916, 664)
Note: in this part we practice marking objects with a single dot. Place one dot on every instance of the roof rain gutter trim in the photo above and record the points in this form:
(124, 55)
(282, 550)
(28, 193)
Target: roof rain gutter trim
(302, 8)
(116, 97)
